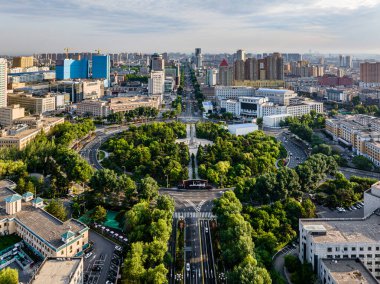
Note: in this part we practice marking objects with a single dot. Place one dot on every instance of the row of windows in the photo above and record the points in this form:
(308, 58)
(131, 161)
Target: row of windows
(329, 249)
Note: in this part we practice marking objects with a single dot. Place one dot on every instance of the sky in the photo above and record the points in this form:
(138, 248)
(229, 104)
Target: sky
(217, 26)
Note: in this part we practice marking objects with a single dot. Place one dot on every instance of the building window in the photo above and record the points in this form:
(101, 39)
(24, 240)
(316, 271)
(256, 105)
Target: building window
(329, 256)
(361, 255)
(353, 255)
(345, 249)
(361, 248)
(377, 255)
(369, 255)
(329, 249)
(353, 248)
(337, 249)
(337, 256)
(369, 248)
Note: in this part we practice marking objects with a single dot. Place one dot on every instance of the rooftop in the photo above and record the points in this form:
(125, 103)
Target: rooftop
(366, 230)
(57, 270)
(12, 198)
(242, 125)
(39, 221)
(349, 271)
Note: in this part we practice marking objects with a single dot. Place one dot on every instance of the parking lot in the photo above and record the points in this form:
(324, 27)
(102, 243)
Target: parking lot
(102, 264)
(325, 212)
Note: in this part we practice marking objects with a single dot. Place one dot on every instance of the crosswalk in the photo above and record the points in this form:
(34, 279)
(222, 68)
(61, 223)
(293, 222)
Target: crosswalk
(205, 215)
(198, 207)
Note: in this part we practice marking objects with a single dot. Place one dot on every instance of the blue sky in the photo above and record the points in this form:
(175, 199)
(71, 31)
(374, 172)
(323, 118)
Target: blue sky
(326, 26)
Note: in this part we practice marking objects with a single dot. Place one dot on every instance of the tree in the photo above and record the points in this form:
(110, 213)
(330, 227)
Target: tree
(148, 188)
(134, 263)
(259, 121)
(99, 214)
(362, 163)
(9, 276)
(56, 208)
(248, 272)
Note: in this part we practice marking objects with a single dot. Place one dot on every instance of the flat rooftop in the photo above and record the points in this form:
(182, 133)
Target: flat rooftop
(56, 270)
(39, 221)
(346, 230)
(349, 271)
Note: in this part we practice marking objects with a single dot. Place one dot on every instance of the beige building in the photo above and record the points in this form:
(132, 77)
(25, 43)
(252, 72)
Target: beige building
(10, 113)
(361, 132)
(59, 270)
(129, 103)
(92, 89)
(3, 82)
(24, 216)
(36, 105)
(23, 61)
(21, 134)
(94, 108)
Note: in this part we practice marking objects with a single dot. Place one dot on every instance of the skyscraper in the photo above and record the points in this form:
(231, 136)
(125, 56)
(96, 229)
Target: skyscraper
(225, 74)
(3, 82)
(101, 65)
(251, 69)
(348, 61)
(239, 73)
(341, 61)
(274, 67)
(240, 54)
(157, 63)
(198, 57)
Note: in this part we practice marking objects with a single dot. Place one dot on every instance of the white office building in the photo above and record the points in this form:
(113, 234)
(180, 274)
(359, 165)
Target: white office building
(273, 121)
(156, 83)
(281, 97)
(3, 82)
(233, 93)
(231, 106)
(251, 106)
(242, 129)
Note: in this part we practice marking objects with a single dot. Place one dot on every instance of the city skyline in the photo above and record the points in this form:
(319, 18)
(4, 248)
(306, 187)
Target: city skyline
(216, 26)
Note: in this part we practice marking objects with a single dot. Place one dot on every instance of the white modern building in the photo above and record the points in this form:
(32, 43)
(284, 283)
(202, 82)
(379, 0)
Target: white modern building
(233, 93)
(242, 129)
(231, 106)
(211, 78)
(281, 97)
(3, 82)
(156, 83)
(251, 106)
(273, 121)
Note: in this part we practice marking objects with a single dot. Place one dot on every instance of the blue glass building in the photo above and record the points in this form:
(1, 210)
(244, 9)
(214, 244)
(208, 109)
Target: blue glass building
(72, 69)
(101, 65)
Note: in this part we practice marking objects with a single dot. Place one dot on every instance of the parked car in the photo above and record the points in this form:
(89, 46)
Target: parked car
(88, 255)
(187, 266)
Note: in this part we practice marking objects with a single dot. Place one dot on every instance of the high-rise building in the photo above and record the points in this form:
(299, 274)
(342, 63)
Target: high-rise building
(23, 61)
(211, 78)
(251, 69)
(156, 83)
(274, 67)
(198, 57)
(226, 74)
(157, 63)
(239, 73)
(3, 82)
(101, 65)
(72, 69)
(348, 61)
(240, 54)
(341, 61)
(370, 72)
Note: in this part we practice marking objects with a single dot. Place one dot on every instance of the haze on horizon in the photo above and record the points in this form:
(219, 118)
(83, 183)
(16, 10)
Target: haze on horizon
(339, 26)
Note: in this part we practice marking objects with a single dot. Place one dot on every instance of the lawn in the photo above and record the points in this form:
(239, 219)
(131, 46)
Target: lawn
(9, 240)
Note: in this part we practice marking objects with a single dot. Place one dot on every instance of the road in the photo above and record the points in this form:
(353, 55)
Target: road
(208, 261)
(296, 154)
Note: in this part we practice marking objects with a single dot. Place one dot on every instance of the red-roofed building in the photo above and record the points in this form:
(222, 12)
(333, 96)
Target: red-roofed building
(223, 63)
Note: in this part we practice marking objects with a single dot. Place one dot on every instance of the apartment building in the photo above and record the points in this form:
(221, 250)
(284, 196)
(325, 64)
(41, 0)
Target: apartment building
(3, 82)
(34, 104)
(59, 270)
(156, 83)
(23, 61)
(24, 216)
(360, 132)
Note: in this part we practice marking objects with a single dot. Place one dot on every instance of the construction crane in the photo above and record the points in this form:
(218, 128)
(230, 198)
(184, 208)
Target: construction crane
(66, 49)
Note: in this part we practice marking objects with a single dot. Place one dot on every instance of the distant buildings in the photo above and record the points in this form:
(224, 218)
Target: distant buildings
(370, 72)
(211, 77)
(23, 61)
(226, 74)
(240, 55)
(34, 104)
(3, 82)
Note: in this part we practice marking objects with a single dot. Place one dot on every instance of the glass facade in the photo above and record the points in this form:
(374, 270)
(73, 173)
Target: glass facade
(72, 69)
(101, 65)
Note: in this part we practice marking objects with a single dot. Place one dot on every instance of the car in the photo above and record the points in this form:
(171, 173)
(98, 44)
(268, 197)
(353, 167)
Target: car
(206, 229)
(187, 266)
(88, 255)
(118, 248)
(96, 268)
(361, 203)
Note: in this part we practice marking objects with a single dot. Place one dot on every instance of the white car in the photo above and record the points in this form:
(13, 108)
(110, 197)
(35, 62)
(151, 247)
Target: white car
(187, 266)
(206, 229)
